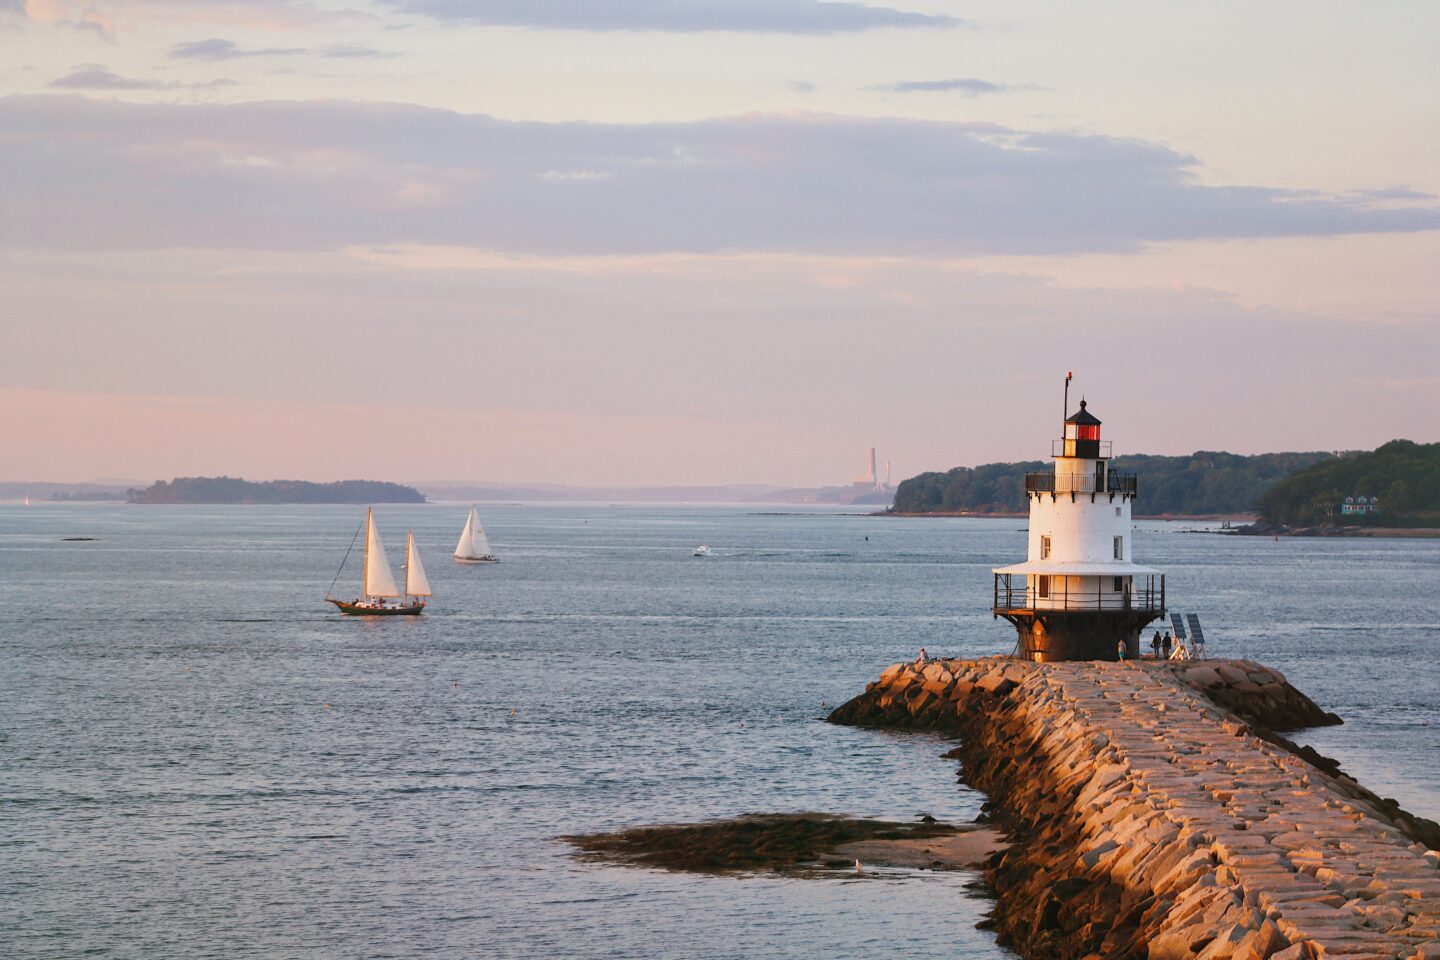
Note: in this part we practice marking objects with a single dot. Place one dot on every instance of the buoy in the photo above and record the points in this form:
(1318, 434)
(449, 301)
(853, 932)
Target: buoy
(512, 711)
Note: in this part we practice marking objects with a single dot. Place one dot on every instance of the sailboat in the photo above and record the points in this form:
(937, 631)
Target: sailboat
(474, 547)
(382, 596)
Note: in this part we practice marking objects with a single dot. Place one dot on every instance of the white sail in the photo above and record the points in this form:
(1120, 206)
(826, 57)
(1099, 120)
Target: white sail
(416, 583)
(379, 580)
(465, 549)
(482, 543)
(473, 543)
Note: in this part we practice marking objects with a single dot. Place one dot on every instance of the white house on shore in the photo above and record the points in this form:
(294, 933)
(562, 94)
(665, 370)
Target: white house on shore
(1356, 506)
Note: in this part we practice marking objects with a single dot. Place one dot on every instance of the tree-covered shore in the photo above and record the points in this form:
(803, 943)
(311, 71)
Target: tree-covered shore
(236, 490)
(1203, 483)
(1403, 475)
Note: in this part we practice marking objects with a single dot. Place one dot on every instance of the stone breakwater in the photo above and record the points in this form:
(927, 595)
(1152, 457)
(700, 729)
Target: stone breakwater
(1147, 820)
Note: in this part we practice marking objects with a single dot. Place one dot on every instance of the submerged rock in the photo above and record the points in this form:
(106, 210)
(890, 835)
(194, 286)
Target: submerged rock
(772, 841)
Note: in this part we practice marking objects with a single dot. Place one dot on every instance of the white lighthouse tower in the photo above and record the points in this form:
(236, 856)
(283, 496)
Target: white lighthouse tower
(1079, 594)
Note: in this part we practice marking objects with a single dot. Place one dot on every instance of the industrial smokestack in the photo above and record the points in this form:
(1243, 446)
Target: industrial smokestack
(874, 474)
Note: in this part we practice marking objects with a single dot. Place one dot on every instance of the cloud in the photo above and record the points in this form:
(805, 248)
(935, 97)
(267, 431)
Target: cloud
(324, 175)
(354, 51)
(677, 16)
(96, 76)
(1395, 193)
(966, 85)
(216, 49)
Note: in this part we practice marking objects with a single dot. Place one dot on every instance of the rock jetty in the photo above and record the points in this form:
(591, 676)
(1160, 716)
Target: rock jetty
(1155, 813)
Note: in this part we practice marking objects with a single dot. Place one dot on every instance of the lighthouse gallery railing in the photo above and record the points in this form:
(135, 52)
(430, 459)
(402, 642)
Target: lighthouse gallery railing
(1050, 482)
(1020, 593)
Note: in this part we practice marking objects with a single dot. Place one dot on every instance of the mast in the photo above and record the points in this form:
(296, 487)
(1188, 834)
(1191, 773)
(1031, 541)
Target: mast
(409, 550)
(369, 535)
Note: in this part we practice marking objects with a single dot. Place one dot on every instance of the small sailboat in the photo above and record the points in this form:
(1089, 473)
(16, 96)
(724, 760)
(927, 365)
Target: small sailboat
(702, 551)
(382, 596)
(27, 501)
(474, 546)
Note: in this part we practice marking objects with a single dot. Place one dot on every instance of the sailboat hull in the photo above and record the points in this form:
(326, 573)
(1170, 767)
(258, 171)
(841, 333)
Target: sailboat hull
(477, 559)
(360, 609)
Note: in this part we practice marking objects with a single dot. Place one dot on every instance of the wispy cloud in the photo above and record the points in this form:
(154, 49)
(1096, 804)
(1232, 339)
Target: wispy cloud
(678, 16)
(217, 49)
(966, 85)
(323, 175)
(96, 76)
(1396, 193)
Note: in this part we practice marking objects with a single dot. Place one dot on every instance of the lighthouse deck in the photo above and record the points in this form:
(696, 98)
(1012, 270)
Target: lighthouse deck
(1016, 593)
(1148, 820)
(1110, 483)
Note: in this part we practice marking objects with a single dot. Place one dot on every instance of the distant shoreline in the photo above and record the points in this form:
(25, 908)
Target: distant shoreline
(1242, 517)
(1346, 533)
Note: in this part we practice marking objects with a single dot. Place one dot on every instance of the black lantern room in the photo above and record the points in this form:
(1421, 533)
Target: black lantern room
(1082, 435)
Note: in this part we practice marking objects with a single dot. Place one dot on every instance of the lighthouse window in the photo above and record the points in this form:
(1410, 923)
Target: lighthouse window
(1119, 584)
(1117, 511)
(1089, 433)
(1044, 548)
(1042, 586)
(1119, 548)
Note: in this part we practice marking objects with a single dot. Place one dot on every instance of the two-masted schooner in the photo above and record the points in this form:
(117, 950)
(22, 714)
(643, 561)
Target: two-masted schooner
(474, 546)
(382, 596)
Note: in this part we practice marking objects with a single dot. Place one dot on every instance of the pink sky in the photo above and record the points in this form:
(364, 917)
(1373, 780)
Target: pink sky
(699, 243)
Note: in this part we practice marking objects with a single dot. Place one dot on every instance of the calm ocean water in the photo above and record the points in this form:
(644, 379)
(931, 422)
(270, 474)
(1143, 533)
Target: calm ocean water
(201, 759)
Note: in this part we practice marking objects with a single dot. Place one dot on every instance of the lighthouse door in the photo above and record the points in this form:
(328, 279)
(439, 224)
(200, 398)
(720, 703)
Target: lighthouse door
(1099, 476)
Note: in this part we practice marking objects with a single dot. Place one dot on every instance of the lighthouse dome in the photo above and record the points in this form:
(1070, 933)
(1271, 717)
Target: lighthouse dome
(1083, 417)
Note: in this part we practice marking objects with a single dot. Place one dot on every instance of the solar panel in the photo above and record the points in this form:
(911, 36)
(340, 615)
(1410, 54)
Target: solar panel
(1179, 626)
(1195, 628)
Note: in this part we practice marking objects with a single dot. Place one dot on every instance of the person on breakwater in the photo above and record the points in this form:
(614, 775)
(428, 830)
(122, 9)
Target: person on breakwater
(1165, 645)
(1155, 645)
(1120, 649)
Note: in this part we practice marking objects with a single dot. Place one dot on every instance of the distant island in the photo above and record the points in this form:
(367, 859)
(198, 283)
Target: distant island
(236, 490)
(88, 496)
(1202, 484)
(1394, 486)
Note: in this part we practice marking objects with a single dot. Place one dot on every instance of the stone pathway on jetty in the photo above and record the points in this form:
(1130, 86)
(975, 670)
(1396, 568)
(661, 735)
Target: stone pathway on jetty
(1213, 842)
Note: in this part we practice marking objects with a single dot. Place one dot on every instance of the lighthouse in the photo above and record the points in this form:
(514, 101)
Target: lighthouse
(1079, 594)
